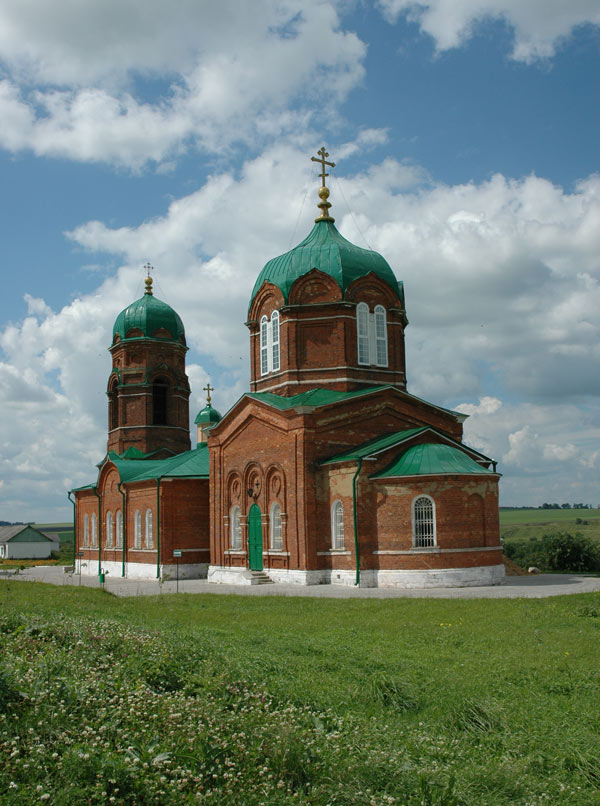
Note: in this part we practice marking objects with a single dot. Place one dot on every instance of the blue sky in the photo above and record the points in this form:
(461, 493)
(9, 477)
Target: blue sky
(466, 145)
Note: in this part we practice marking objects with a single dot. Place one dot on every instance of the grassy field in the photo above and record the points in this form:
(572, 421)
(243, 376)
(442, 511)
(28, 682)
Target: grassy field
(242, 700)
(523, 524)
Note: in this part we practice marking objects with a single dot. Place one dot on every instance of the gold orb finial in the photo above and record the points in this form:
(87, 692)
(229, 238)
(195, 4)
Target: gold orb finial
(323, 205)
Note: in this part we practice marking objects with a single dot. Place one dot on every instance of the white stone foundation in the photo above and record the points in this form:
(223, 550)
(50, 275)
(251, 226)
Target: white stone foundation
(143, 570)
(434, 578)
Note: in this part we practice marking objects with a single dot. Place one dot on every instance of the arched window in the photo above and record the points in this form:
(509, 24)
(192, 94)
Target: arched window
(86, 530)
(137, 530)
(149, 535)
(94, 530)
(264, 345)
(362, 332)
(113, 398)
(381, 343)
(423, 522)
(160, 390)
(275, 340)
(109, 530)
(337, 525)
(235, 528)
(119, 529)
(276, 535)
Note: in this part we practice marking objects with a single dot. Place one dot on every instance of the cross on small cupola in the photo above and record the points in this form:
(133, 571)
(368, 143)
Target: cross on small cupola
(208, 389)
(148, 280)
(323, 205)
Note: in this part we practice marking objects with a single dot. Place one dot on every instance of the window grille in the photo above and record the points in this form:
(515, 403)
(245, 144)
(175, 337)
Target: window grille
(362, 329)
(86, 530)
(264, 346)
(381, 347)
(119, 529)
(276, 535)
(423, 522)
(94, 530)
(149, 536)
(109, 530)
(137, 530)
(275, 340)
(337, 525)
(236, 528)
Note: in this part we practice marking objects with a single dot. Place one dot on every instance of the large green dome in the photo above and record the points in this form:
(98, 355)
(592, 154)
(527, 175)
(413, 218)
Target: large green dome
(325, 249)
(149, 318)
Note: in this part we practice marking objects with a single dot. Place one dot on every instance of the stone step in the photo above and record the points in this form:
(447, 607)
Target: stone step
(260, 578)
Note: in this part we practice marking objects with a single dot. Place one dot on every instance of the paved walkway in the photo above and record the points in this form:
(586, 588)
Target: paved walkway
(532, 587)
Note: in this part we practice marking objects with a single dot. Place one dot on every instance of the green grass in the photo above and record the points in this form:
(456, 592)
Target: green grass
(523, 524)
(274, 700)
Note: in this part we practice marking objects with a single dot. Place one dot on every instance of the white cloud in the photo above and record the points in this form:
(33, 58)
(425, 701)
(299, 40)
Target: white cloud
(230, 72)
(502, 294)
(538, 25)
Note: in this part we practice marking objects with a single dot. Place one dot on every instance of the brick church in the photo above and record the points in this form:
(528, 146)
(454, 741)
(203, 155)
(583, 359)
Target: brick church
(328, 471)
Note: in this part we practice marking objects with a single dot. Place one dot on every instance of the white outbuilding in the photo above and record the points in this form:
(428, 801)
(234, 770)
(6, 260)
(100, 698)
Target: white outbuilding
(24, 542)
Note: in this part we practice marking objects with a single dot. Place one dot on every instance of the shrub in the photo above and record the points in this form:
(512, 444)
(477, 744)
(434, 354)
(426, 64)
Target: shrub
(557, 551)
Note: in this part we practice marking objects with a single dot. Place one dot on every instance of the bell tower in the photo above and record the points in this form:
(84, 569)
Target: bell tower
(148, 389)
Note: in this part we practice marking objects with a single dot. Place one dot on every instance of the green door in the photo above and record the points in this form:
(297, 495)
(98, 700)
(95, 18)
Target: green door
(255, 540)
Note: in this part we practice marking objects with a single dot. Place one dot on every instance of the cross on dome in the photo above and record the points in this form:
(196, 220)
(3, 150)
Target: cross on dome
(323, 205)
(208, 389)
(148, 280)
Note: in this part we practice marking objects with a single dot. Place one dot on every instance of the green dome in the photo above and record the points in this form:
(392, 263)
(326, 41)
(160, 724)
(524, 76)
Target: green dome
(207, 415)
(325, 249)
(149, 315)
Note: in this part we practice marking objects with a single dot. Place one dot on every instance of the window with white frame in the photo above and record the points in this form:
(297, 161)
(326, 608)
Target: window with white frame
(423, 522)
(137, 530)
(119, 529)
(371, 334)
(337, 526)
(149, 535)
(276, 531)
(109, 530)
(94, 530)
(235, 528)
(270, 353)
(86, 530)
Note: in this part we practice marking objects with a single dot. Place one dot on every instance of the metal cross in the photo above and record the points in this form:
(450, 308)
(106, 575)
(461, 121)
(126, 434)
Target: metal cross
(208, 389)
(322, 154)
(149, 269)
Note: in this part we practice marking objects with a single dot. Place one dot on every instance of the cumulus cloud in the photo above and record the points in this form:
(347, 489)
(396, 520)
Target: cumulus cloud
(502, 294)
(228, 72)
(538, 25)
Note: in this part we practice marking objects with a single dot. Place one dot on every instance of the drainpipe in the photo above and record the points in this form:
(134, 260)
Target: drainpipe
(74, 527)
(124, 527)
(99, 535)
(158, 480)
(358, 467)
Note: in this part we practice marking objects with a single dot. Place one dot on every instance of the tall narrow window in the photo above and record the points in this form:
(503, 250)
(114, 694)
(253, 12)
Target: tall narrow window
(381, 344)
(423, 522)
(275, 340)
(362, 332)
(94, 530)
(160, 389)
(119, 529)
(137, 530)
(337, 526)
(109, 530)
(86, 530)
(113, 399)
(149, 535)
(276, 535)
(236, 528)
(264, 346)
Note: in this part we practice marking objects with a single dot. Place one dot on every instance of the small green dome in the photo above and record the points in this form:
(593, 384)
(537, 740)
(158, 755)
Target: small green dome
(325, 249)
(148, 316)
(207, 415)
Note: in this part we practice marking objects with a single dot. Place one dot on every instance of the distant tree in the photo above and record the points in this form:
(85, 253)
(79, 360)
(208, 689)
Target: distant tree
(565, 506)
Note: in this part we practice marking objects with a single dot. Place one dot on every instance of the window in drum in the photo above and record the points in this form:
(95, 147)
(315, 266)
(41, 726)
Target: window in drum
(381, 345)
(423, 522)
(337, 526)
(264, 346)
(362, 332)
(275, 340)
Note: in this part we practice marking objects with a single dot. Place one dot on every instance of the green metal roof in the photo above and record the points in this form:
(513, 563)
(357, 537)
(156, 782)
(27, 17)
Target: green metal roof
(207, 415)
(190, 464)
(149, 314)
(325, 249)
(374, 446)
(432, 459)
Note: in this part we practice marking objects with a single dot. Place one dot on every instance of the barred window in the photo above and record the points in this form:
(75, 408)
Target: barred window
(149, 535)
(337, 525)
(264, 345)
(381, 346)
(275, 340)
(119, 529)
(362, 330)
(109, 530)
(236, 528)
(86, 530)
(94, 530)
(276, 535)
(423, 522)
(137, 530)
